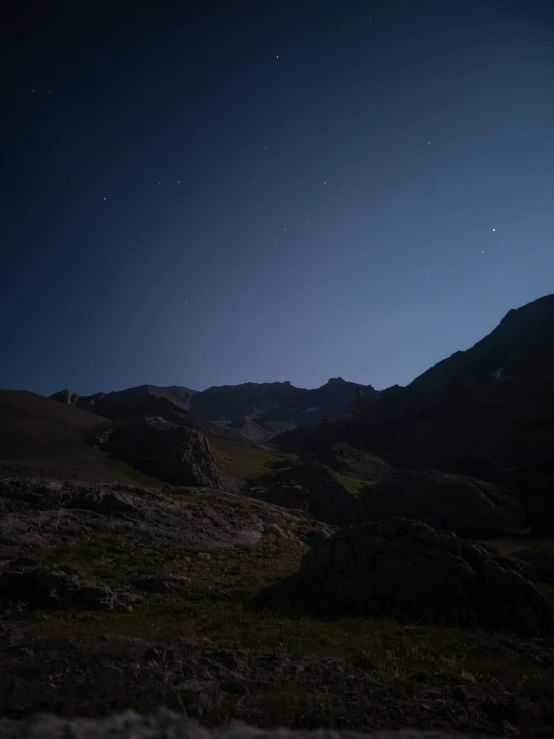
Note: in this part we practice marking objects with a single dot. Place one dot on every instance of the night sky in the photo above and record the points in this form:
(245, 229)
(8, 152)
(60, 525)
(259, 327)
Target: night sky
(213, 193)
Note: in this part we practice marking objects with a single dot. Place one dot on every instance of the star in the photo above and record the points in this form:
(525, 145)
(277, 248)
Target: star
(494, 229)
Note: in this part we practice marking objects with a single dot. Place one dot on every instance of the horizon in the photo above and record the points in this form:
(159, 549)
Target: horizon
(221, 195)
(272, 382)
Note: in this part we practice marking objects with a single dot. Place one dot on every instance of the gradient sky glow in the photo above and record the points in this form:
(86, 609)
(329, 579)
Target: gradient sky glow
(220, 192)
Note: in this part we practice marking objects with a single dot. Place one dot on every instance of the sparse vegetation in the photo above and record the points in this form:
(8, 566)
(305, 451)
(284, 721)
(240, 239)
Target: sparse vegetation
(216, 647)
(352, 672)
(240, 462)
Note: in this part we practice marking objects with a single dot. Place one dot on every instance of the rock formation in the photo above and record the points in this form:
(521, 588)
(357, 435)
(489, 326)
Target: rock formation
(468, 507)
(164, 723)
(176, 454)
(406, 569)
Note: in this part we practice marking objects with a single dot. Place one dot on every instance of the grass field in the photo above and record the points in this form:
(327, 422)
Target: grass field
(387, 673)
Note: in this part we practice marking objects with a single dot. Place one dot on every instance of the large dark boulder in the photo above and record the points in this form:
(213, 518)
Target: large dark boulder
(176, 454)
(468, 507)
(406, 569)
(329, 500)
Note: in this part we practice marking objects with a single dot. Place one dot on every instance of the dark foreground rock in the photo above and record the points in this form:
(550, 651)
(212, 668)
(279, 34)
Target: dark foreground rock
(404, 568)
(54, 588)
(176, 454)
(164, 724)
(468, 507)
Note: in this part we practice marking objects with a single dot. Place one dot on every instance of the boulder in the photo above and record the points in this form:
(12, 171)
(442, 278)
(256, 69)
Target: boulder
(406, 569)
(461, 504)
(329, 500)
(179, 455)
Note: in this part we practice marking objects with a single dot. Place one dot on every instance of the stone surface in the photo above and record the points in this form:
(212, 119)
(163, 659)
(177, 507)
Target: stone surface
(329, 500)
(468, 507)
(164, 724)
(44, 513)
(461, 504)
(404, 568)
(176, 454)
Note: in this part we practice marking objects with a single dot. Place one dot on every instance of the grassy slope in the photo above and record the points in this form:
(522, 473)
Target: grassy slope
(241, 462)
(39, 436)
(42, 437)
(396, 660)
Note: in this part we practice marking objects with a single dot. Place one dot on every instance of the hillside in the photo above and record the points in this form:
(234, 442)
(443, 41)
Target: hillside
(41, 437)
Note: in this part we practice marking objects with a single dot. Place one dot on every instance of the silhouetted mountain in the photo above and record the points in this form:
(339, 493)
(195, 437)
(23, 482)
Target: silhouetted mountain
(258, 411)
(486, 412)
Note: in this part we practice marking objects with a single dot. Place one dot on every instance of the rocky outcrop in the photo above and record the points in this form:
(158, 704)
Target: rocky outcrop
(406, 569)
(329, 500)
(164, 723)
(46, 513)
(54, 588)
(344, 458)
(468, 507)
(176, 454)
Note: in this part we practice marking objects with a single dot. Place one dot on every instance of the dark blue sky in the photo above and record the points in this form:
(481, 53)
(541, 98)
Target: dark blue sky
(213, 193)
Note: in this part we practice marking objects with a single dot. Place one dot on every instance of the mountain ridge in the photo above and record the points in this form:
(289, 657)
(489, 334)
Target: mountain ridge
(256, 410)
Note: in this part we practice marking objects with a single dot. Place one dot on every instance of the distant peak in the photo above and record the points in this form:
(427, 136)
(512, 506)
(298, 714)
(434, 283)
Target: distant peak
(336, 381)
(545, 303)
